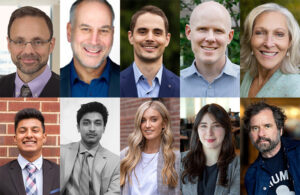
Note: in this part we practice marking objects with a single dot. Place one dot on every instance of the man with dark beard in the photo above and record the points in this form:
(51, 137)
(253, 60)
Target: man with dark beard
(30, 41)
(276, 168)
(147, 77)
(91, 73)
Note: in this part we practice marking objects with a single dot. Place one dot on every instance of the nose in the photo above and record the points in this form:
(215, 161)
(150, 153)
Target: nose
(150, 36)
(29, 133)
(210, 36)
(94, 38)
(92, 127)
(148, 124)
(210, 131)
(261, 132)
(28, 48)
(269, 41)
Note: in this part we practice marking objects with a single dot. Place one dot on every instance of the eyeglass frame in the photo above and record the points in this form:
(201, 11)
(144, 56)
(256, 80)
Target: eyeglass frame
(31, 43)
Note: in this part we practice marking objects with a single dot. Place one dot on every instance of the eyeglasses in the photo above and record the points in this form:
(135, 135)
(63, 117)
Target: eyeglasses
(36, 44)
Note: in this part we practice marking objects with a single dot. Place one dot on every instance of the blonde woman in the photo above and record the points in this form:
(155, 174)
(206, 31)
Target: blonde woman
(149, 165)
(270, 53)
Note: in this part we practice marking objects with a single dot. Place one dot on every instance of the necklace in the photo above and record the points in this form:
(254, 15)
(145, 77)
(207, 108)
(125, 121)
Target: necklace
(145, 164)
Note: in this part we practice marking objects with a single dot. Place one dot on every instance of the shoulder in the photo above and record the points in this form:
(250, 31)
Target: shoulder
(186, 72)
(126, 71)
(183, 154)
(114, 67)
(291, 78)
(51, 164)
(108, 154)
(69, 145)
(124, 152)
(54, 77)
(170, 74)
(65, 70)
(7, 78)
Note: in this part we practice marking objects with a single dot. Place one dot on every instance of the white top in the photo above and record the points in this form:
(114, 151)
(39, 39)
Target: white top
(38, 173)
(144, 177)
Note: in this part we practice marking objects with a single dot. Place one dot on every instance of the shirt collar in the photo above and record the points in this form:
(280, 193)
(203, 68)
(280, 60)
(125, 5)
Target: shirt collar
(229, 68)
(36, 85)
(138, 74)
(92, 151)
(23, 162)
(104, 75)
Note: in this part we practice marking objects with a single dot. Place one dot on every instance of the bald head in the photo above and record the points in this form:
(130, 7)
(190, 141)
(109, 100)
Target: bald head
(213, 10)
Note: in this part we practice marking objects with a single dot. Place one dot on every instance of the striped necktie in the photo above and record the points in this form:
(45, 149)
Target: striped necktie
(30, 183)
(25, 91)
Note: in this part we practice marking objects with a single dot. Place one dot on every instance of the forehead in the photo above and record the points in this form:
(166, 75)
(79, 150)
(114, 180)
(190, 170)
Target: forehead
(263, 117)
(266, 20)
(151, 112)
(93, 13)
(30, 122)
(92, 116)
(29, 27)
(208, 117)
(150, 21)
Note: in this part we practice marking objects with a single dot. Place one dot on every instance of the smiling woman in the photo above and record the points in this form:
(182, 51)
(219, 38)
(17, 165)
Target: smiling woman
(270, 53)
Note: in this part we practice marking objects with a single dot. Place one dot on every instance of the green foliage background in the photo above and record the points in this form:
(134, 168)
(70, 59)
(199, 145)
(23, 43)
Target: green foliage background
(171, 9)
(185, 45)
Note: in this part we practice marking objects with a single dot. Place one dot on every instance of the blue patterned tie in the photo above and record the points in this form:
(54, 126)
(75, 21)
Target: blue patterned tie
(30, 183)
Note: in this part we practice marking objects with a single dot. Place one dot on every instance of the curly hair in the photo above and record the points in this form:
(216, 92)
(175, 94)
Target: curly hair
(194, 161)
(92, 107)
(137, 144)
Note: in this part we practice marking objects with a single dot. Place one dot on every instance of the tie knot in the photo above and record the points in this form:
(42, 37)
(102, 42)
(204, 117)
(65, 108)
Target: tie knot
(30, 168)
(25, 91)
(86, 154)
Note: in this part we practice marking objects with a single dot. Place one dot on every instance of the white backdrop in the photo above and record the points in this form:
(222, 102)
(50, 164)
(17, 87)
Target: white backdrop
(68, 123)
(65, 47)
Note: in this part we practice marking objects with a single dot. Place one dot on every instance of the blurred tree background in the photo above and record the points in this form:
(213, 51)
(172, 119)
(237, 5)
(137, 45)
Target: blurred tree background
(171, 9)
(186, 53)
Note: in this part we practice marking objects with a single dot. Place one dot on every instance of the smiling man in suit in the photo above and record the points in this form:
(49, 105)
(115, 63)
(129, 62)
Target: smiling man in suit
(87, 167)
(30, 174)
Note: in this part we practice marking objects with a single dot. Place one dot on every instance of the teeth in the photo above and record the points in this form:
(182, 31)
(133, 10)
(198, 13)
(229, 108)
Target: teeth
(209, 48)
(149, 47)
(96, 51)
(29, 142)
(269, 53)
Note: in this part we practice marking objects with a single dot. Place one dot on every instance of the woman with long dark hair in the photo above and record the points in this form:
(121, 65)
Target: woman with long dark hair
(211, 166)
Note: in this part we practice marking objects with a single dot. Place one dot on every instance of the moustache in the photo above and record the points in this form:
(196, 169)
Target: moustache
(263, 139)
(93, 47)
(28, 57)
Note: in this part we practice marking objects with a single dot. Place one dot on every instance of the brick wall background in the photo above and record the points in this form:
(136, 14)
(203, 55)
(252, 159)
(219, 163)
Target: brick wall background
(129, 107)
(50, 110)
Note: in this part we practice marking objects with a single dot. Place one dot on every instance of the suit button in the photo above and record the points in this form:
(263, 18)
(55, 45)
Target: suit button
(264, 188)
(169, 86)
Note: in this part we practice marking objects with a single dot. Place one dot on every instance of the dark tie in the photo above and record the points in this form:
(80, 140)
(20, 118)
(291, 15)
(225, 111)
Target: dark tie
(85, 175)
(25, 91)
(30, 183)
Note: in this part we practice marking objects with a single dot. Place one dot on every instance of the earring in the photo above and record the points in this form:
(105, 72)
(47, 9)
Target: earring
(287, 54)
(252, 53)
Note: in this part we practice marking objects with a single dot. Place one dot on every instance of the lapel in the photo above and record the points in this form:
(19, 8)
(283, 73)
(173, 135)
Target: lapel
(98, 165)
(129, 86)
(167, 85)
(16, 177)
(47, 177)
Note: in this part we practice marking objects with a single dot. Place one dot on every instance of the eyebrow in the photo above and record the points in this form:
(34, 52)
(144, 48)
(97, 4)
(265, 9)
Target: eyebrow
(104, 26)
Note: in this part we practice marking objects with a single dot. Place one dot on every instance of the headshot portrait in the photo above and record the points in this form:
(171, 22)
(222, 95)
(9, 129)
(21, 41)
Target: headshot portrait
(150, 50)
(30, 146)
(90, 146)
(91, 29)
(270, 45)
(150, 157)
(208, 66)
(210, 163)
(271, 146)
(30, 42)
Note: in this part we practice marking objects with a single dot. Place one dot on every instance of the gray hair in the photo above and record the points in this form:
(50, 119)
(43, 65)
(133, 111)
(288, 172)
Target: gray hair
(76, 3)
(290, 64)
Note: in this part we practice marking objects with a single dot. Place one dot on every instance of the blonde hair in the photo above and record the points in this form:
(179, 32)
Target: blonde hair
(290, 64)
(137, 144)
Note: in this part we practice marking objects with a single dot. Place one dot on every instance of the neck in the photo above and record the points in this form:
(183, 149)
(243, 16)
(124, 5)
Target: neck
(149, 69)
(31, 157)
(89, 147)
(210, 71)
(26, 78)
(88, 74)
(265, 74)
(273, 152)
(152, 146)
(212, 155)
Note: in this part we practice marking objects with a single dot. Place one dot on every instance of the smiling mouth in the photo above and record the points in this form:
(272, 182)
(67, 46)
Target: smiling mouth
(29, 142)
(210, 140)
(268, 53)
(149, 131)
(92, 51)
(208, 48)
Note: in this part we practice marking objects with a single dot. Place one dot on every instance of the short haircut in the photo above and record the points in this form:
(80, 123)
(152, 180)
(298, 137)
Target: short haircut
(255, 108)
(152, 10)
(76, 3)
(29, 113)
(290, 63)
(30, 11)
(92, 107)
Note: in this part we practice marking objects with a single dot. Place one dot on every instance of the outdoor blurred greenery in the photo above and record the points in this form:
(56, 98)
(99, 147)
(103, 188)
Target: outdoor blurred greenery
(185, 45)
(171, 9)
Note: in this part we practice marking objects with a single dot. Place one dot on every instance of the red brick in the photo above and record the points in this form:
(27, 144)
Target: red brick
(50, 118)
(2, 129)
(4, 161)
(11, 129)
(50, 152)
(50, 107)
(52, 129)
(13, 152)
(51, 141)
(44, 99)
(3, 152)
(9, 141)
(17, 106)
(13, 99)
(7, 117)
(3, 106)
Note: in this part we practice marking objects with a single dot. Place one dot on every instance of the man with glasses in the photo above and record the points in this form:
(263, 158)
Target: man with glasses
(91, 73)
(30, 41)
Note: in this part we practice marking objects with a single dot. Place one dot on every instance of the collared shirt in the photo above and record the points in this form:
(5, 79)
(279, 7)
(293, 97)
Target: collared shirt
(72, 186)
(226, 84)
(97, 88)
(142, 85)
(38, 173)
(36, 85)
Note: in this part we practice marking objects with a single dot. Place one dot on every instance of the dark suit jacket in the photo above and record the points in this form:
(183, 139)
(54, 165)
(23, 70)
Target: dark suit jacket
(114, 82)
(11, 180)
(7, 86)
(169, 84)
